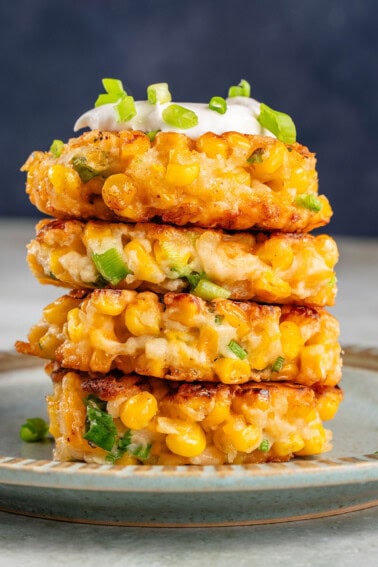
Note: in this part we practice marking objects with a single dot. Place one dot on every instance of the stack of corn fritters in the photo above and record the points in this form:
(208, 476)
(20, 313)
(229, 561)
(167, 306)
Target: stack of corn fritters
(201, 341)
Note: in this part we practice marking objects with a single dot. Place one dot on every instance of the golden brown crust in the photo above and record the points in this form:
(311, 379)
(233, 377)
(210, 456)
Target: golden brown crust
(205, 182)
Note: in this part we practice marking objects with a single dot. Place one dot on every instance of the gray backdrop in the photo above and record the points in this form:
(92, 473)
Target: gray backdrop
(314, 59)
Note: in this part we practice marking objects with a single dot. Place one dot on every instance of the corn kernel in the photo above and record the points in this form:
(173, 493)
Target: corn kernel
(133, 145)
(63, 179)
(327, 407)
(127, 459)
(273, 159)
(218, 415)
(291, 339)
(245, 438)
(54, 260)
(185, 310)
(278, 253)
(100, 361)
(182, 174)
(232, 371)
(56, 312)
(212, 145)
(208, 341)
(149, 366)
(141, 263)
(119, 189)
(234, 316)
(314, 358)
(137, 411)
(189, 442)
(75, 327)
(142, 317)
(111, 303)
(292, 444)
(315, 444)
(272, 287)
(48, 345)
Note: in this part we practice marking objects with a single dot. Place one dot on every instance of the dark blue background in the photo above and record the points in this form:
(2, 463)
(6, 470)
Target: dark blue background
(314, 59)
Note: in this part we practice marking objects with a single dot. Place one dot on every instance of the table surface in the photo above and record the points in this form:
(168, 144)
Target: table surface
(349, 538)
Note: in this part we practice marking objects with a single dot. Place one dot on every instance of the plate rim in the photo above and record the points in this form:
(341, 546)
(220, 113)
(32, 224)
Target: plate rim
(299, 473)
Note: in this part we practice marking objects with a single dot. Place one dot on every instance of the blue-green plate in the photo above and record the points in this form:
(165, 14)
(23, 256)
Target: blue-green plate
(345, 479)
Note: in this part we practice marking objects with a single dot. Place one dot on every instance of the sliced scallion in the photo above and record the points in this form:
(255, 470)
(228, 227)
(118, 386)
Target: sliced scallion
(85, 171)
(279, 123)
(158, 93)
(264, 446)
(107, 98)
(309, 201)
(179, 117)
(278, 364)
(125, 109)
(218, 104)
(56, 147)
(242, 89)
(34, 429)
(237, 350)
(101, 430)
(113, 86)
(256, 156)
(208, 290)
(218, 319)
(194, 277)
(111, 265)
(152, 134)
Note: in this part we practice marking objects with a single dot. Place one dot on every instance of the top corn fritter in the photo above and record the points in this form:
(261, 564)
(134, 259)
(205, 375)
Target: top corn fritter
(206, 175)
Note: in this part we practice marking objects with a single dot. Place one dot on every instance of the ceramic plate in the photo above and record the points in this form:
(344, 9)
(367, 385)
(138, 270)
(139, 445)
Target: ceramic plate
(346, 479)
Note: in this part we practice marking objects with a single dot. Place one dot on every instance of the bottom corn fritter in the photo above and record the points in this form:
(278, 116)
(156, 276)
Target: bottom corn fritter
(132, 420)
(183, 337)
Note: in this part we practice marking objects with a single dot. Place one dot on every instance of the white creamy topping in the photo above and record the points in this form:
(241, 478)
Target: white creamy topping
(241, 116)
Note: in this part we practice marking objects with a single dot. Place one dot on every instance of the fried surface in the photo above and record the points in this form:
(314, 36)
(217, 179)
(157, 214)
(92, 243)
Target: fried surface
(275, 268)
(205, 182)
(198, 423)
(182, 337)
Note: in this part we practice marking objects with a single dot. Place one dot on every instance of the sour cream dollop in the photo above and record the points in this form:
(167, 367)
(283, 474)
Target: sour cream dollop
(241, 116)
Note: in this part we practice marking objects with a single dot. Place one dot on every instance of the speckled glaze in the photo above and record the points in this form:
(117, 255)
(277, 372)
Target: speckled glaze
(345, 479)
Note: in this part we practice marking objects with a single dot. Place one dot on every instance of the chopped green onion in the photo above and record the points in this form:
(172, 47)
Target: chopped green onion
(179, 117)
(194, 277)
(218, 104)
(237, 350)
(309, 201)
(158, 93)
(208, 290)
(125, 109)
(113, 86)
(107, 98)
(152, 134)
(278, 364)
(141, 451)
(85, 171)
(111, 265)
(218, 319)
(53, 276)
(332, 281)
(264, 446)
(56, 147)
(101, 429)
(279, 123)
(256, 156)
(34, 429)
(242, 89)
